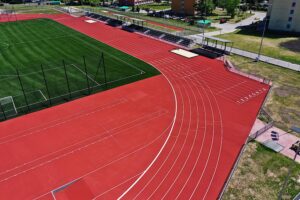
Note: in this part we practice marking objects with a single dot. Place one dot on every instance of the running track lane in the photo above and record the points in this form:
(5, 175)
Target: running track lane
(216, 110)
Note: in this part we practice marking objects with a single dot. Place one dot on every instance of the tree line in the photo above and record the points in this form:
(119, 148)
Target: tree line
(206, 7)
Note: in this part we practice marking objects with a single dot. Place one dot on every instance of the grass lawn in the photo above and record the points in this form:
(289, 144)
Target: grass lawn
(260, 175)
(283, 103)
(219, 13)
(275, 45)
(26, 45)
(22, 8)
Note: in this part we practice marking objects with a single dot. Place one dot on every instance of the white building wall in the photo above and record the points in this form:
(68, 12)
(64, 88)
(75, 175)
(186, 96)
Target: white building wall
(284, 15)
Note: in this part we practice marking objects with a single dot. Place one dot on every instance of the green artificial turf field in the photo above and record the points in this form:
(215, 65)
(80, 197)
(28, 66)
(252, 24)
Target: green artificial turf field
(26, 45)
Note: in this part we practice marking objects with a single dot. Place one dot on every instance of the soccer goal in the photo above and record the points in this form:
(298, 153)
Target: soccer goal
(76, 12)
(8, 107)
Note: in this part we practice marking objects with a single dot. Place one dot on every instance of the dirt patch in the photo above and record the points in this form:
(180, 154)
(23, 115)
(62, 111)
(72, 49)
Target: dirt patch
(292, 45)
(285, 91)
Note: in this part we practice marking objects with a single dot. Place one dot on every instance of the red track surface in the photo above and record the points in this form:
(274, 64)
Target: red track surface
(174, 136)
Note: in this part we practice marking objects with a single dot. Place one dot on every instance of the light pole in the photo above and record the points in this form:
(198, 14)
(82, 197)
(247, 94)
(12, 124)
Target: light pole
(203, 25)
(263, 36)
(297, 151)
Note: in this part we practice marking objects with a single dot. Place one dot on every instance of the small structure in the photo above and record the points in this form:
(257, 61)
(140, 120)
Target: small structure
(124, 8)
(138, 22)
(217, 44)
(204, 23)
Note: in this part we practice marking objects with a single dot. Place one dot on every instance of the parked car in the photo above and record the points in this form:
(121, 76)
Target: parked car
(223, 20)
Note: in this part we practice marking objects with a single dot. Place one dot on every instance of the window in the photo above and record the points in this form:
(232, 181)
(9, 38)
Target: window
(288, 26)
(290, 19)
(292, 12)
(293, 4)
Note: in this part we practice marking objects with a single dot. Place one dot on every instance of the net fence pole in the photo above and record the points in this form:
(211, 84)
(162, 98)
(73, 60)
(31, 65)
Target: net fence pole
(66, 75)
(46, 84)
(24, 94)
(104, 70)
(2, 110)
(86, 74)
(98, 67)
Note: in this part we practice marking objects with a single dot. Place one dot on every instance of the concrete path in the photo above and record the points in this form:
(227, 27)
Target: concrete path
(267, 59)
(251, 55)
(285, 139)
(229, 28)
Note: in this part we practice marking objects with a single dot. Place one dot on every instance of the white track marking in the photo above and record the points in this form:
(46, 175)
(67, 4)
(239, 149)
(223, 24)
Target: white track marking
(182, 147)
(202, 144)
(116, 186)
(206, 164)
(126, 154)
(173, 146)
(193, 144)
(220, 147)
(60, 122)
(163, 146)
(72, 151)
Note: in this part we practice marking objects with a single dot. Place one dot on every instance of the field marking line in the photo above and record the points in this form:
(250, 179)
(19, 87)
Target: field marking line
(43, 95)
(85, 74)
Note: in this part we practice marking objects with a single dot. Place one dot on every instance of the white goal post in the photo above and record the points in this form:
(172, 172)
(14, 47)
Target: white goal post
(8, 106)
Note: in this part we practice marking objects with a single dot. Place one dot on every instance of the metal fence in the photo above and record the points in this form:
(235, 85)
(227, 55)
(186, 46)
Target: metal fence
(24, 90)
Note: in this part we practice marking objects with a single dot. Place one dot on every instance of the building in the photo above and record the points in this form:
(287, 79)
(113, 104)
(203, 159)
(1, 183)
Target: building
(284, 15)
(183, 7)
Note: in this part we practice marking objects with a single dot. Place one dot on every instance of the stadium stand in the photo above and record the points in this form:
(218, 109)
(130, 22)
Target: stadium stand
(131, 27)
(171, 38)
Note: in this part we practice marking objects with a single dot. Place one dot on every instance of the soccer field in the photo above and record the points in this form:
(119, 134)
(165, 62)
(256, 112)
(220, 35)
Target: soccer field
(56, 64)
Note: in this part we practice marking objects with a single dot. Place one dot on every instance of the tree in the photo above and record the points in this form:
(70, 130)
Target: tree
(231, 7)
(204, 7)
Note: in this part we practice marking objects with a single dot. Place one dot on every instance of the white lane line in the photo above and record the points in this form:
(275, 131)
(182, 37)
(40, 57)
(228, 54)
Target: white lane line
(163, 146)
(169, 153)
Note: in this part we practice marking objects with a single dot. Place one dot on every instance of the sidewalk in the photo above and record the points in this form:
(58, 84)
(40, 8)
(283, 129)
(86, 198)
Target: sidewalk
(267, 59)
(251, 55)
(229, 28)
(285, 139)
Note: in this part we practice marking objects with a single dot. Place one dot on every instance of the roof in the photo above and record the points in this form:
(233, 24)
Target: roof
(218, 39)
(204, 21)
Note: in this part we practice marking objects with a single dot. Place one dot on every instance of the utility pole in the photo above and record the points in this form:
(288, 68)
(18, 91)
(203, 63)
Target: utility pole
(288, 175)
(263, 36)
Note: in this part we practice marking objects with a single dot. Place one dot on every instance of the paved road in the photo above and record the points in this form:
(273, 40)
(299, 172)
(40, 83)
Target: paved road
(229, 28)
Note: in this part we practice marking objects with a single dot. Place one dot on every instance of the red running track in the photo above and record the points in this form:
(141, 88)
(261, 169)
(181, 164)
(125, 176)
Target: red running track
(191, 125)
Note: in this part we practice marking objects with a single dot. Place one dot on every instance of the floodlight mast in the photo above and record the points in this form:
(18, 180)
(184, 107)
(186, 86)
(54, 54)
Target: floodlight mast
(297, 151)
(263, 36)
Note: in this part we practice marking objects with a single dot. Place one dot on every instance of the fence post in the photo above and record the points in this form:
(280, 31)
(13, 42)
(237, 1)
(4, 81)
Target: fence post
(86, 74)
(46, 84)
(23, 90)
(104, 70)
(66, 75)
(2, 110)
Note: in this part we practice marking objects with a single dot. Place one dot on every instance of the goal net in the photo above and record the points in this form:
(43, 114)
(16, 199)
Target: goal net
(8, 107)
(76, 12)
